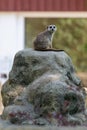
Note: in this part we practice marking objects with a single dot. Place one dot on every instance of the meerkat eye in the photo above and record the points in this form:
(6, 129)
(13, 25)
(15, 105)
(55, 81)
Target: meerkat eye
(50, 26)
(54, 27)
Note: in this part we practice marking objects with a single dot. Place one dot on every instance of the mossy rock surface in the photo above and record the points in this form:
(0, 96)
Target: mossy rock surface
(43, 89)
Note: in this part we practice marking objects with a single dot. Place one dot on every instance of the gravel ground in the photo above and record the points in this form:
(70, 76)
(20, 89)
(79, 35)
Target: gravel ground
(4, 125)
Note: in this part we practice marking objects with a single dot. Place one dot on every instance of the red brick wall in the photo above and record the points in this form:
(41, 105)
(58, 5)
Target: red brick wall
(43, 5)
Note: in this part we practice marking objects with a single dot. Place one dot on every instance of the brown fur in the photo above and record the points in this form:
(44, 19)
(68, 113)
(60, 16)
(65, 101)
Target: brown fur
(43, 41)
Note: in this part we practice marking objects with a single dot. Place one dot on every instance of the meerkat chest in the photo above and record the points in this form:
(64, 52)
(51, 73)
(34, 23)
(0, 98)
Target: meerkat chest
(47, 39)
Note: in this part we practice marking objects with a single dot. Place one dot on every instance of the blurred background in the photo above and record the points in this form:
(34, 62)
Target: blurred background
(71, 36)
(22, 20)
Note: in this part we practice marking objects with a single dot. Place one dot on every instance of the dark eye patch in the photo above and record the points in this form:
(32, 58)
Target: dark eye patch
(50, 26)
(54, 27)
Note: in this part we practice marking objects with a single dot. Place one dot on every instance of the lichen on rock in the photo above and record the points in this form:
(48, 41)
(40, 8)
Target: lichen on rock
(43, 89)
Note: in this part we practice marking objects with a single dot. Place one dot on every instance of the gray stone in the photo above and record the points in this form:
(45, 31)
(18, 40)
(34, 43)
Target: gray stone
(43, 89)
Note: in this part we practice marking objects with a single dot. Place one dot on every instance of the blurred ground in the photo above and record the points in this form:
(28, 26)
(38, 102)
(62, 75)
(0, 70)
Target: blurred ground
(4, 125)
(83, 77)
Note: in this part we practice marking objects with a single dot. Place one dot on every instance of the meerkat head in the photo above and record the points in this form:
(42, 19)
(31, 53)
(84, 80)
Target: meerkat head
(51, 28)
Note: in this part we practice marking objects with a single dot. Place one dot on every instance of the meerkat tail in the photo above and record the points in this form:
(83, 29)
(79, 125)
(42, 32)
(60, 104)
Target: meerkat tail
(51, 49)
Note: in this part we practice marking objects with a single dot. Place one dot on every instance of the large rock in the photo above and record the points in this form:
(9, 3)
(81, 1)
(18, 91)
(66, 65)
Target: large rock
(43, 89)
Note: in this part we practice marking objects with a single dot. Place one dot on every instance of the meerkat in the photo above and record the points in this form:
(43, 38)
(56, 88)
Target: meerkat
(43, 41)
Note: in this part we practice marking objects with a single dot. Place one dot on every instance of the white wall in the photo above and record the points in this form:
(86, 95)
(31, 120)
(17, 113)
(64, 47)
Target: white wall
(11, 34)
(11, 39)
